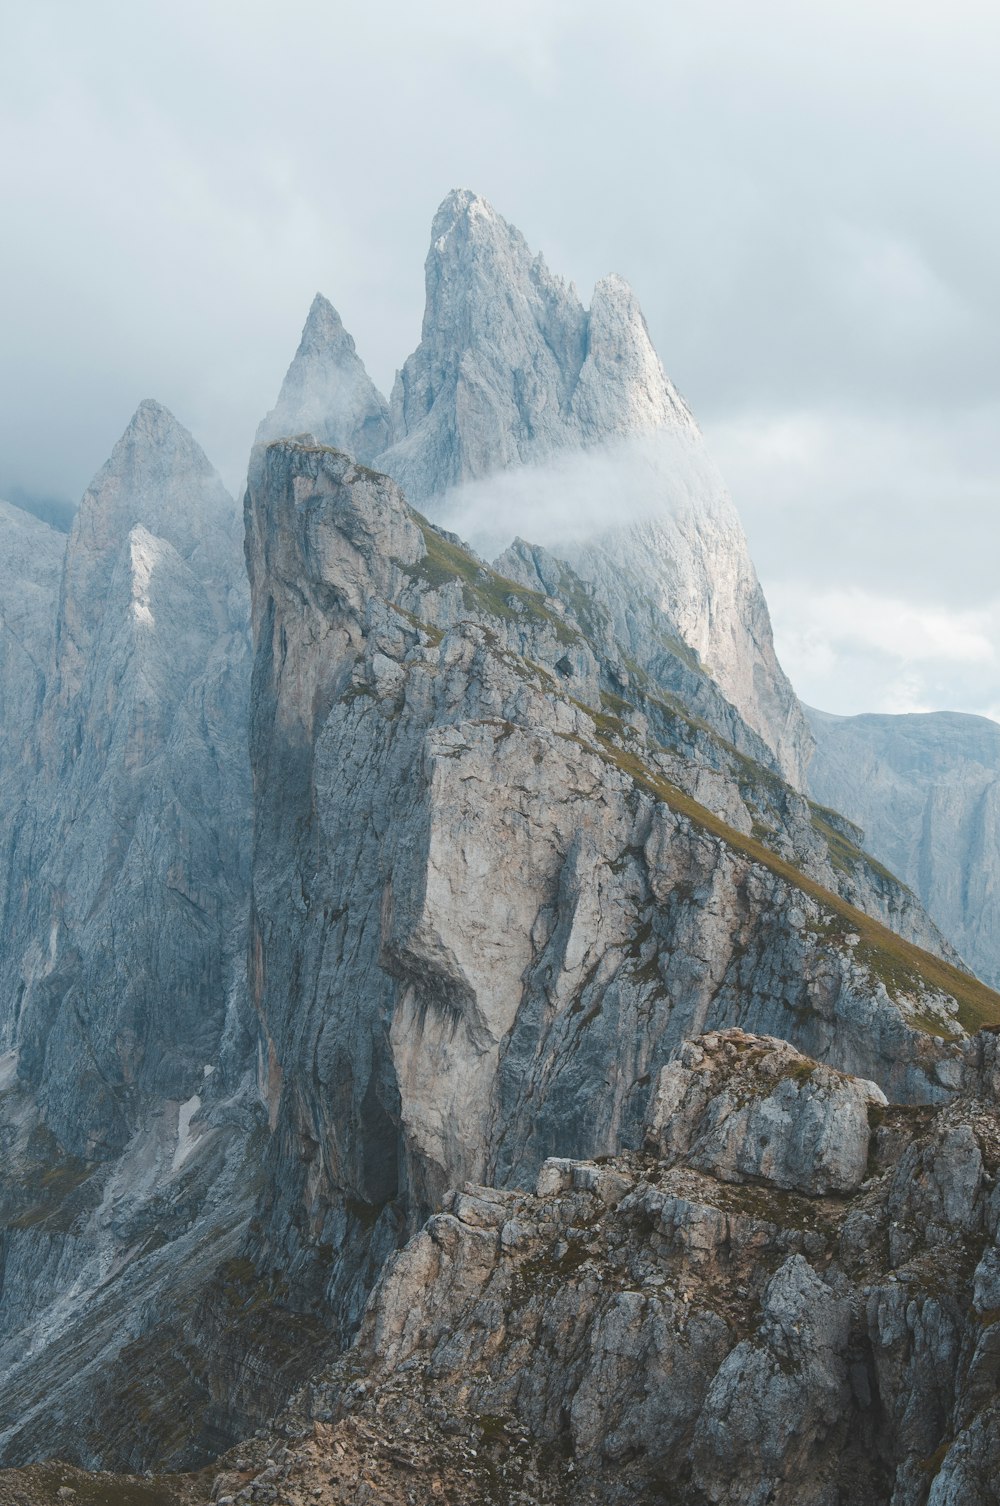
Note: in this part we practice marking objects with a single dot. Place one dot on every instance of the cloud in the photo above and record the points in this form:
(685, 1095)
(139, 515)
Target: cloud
(576, 495)
(853, 650)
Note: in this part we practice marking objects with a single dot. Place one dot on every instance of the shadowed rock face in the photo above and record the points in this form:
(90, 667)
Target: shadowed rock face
(926, 789)
(31, 557)
(131, 865)
(513, 372)
(122, 960)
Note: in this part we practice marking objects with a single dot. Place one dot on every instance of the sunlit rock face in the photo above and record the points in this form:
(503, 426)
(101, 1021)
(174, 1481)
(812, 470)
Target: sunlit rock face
(926, 789)
(521, 412)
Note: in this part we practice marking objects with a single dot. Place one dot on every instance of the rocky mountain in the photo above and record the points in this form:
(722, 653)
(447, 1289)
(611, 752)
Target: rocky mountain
(513, 374)
(328, 392)
(926, 789)
(481, 905)
(122, 964)
(437, 999)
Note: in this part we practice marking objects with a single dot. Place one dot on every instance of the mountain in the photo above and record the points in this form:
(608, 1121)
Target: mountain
(423, 991)
(484, 912)
(122, 962)
(926, 789)
(327, 391)
(513, 374)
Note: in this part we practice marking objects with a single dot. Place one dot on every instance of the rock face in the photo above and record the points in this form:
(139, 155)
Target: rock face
(926, 789)
(483, 913)
(328, 392)
(752, 1108)
(122, 960)
(31, 556)
(670, 1329)
(512, 372)
(511, 366)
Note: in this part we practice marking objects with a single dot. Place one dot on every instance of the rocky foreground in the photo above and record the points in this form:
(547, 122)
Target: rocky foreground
(791, 1295)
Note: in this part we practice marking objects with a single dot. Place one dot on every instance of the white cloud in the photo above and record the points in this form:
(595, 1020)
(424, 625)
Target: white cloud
(849, 650)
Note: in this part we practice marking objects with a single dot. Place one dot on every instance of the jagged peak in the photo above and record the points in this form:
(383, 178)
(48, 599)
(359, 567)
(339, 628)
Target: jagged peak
(324, 328)
(463, 206)
(154, 440)
(327, 390)
(467, 229)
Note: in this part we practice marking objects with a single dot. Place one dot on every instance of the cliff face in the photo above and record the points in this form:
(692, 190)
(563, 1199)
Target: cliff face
(926, 789)
(513, 373)
(483, 913)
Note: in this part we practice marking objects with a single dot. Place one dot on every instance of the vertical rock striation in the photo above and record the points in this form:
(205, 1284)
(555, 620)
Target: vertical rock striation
(122, 962)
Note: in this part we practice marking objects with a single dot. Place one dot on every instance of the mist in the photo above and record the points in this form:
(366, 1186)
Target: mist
(576, 496)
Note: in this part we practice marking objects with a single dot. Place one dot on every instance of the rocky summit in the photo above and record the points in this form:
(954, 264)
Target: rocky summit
(447, 1054)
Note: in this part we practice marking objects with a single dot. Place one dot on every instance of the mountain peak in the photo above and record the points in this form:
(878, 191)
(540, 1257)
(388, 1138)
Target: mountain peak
(462, 209)
(327, 391)
(324, 325)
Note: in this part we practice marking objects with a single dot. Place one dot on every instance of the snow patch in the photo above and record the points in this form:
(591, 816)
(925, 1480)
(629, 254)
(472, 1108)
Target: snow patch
(186, 1142)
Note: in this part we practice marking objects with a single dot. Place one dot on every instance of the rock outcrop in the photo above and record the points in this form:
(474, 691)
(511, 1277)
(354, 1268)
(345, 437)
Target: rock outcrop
(926, 789)
(668, 1328)
(512, 372)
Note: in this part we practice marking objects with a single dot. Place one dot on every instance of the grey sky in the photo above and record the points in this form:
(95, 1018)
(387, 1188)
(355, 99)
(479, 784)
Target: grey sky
(803, 195)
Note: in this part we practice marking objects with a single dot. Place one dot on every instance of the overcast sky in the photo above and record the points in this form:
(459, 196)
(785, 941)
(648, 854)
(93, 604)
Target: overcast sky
(804, 196)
